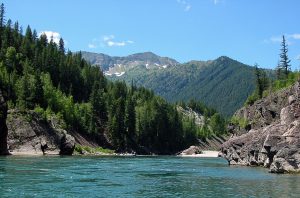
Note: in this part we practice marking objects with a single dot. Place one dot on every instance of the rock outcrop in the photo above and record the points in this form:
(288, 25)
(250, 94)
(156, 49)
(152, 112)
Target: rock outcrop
(3, 127)
(29, 133)
(272, 137)
(67, 144)
(192, 150)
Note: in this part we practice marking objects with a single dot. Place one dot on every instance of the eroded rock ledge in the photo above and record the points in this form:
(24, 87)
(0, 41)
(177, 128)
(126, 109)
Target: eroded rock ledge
(272, 137)
(29, 133)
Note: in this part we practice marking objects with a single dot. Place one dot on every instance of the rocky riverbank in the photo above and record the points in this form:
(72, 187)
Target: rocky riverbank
(30, 134)
(271, 135)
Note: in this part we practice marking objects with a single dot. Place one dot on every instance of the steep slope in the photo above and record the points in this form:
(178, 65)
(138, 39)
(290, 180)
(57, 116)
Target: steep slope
(212, 141)
(223, 84)
(270, 136)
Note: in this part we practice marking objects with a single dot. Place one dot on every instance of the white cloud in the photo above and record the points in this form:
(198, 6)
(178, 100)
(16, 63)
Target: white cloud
(113, 43)
(294, 36)
(109, 37)
(278, 39)
(108, 41)
(50, 34)
(298, 57)
(92, 46)
(187, 6)
(216, 2)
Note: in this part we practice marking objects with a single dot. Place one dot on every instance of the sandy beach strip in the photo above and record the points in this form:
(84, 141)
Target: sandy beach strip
(204, 154)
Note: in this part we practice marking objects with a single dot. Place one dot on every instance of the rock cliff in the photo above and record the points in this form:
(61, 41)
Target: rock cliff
(29, 133)
(271, 137)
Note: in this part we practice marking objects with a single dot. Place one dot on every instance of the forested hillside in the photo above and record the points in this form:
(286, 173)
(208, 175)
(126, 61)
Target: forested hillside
(223, 84)
(39, 74)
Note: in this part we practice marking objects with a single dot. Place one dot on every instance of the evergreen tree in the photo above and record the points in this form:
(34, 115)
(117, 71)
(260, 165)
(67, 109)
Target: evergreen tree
(11, 59)
(97, 100)
(130, 116)
(262, 81)
(284, 60)
(2, 24)
(259, 85)
(61, 46)
(25, 91)
(39, 92)
(27, 44)
(2, 16)
(34, 35)
(43, 40)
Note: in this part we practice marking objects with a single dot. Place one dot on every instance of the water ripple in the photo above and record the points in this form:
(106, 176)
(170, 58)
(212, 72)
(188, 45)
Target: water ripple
(138, 177)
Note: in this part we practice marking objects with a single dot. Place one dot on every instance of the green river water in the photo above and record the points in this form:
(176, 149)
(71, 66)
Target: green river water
(163, 176)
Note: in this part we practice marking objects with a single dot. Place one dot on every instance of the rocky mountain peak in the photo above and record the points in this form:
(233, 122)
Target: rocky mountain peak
(117, 65)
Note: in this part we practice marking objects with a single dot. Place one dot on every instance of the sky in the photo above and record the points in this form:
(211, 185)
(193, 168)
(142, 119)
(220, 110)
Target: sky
(249, 31)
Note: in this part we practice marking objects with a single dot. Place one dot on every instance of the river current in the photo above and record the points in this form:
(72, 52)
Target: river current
(159, 176)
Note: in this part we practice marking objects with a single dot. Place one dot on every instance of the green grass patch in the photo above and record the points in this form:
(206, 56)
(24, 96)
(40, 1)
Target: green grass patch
(241, 122)
(90, 150)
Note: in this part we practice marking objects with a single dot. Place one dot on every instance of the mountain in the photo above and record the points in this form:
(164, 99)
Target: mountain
(223, 84)
(112, 65)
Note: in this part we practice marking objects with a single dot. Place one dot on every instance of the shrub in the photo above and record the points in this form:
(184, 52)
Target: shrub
(241, 122)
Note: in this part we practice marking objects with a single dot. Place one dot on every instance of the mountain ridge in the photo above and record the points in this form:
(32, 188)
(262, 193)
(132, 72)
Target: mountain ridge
(149, 59)
(223, 83)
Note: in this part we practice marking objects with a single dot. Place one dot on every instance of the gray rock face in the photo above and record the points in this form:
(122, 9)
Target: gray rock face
(273, 141)
(3, 127)
(265, 111)
(28, 133)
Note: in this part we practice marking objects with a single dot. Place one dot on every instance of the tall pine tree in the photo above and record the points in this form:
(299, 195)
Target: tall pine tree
(285, 66)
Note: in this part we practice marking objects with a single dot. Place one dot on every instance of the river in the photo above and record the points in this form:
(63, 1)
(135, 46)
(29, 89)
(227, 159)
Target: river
(163, 176)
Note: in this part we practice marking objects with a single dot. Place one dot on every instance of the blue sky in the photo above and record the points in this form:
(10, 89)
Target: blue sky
(246, 30)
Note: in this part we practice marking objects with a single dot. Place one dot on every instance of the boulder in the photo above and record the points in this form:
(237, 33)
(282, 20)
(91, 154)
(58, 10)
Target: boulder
(287, 160)
(44, 145)
(67, 145)
(292, 99)
(286, 115)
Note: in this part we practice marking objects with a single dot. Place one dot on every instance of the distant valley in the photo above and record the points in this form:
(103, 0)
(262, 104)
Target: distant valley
(223, 83)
